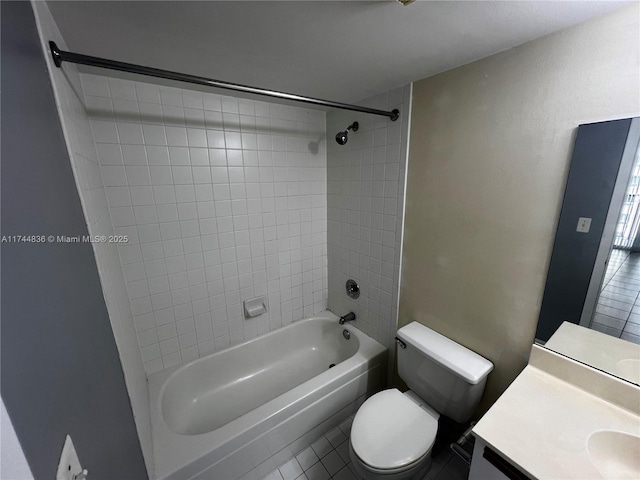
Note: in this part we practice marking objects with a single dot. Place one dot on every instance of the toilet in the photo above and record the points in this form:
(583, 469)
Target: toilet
(393, 432)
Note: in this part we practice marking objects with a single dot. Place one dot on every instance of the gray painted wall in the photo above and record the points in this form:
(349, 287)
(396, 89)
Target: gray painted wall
(592, 176)
(60, 367)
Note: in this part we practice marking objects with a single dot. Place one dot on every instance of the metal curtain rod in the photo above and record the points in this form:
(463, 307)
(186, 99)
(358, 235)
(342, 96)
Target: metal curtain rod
(60, 56)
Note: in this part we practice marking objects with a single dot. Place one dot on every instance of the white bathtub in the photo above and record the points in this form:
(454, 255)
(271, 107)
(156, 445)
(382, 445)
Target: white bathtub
(220, 416)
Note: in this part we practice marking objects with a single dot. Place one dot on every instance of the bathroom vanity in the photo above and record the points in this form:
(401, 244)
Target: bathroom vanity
(561, 418)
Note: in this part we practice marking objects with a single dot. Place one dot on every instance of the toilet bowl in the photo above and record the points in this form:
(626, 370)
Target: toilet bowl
(409, 431)
(393, 433)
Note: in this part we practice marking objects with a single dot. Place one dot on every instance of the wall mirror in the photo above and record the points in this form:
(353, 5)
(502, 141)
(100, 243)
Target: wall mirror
(591, 305)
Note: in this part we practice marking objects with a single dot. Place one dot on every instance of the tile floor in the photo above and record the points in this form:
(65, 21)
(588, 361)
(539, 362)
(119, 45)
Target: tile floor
(328, 458)
(618, 309)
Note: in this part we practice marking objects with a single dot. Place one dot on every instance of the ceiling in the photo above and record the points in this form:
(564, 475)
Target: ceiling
(338, 50)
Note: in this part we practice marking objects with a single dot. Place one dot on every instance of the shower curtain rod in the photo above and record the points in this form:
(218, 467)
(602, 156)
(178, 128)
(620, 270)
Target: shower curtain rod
(60, 56)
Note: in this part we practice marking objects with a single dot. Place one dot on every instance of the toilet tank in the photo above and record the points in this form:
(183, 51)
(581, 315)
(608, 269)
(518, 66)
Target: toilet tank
(448, 376)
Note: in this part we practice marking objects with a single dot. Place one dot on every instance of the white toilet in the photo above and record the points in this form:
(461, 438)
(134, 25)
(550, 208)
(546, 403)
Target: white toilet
(393, 433)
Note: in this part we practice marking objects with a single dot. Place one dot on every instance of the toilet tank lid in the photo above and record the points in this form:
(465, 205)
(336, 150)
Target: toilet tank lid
(454, 357)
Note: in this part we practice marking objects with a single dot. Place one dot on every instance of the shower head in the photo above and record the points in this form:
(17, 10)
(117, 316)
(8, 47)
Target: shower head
(342, 137)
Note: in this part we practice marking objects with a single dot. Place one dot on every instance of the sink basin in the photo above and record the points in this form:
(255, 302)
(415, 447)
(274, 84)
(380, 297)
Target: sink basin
(629, 369)
(616, 455)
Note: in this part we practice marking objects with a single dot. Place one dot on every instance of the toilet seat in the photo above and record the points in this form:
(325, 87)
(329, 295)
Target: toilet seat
(390, 433)
(388, 472)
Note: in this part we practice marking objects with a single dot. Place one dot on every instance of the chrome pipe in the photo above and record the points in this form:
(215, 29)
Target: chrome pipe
(458, 446)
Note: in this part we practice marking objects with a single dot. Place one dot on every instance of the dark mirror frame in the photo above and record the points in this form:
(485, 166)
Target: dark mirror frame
(599, 151)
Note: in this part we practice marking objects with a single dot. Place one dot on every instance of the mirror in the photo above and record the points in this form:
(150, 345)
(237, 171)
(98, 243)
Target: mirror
(613, 355)
(591, 305)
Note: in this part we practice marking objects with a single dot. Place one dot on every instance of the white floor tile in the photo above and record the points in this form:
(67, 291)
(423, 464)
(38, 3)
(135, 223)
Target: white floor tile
(343, 451)
(634, 318)
(307, 458)
(317, 472)
(344, 474)
(321, 447)
(632, 328)
(609, 321)
(290, 470)
(629, 337)
(336, 437)
(283, 456)
(333, 462)
(612, 312)
(275, 475)
(264, 469)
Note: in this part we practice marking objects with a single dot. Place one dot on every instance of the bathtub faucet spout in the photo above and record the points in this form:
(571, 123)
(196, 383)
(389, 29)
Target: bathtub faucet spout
(349, 317)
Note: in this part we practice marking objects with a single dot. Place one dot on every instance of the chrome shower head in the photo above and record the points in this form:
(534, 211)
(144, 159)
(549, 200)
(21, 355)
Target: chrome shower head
(342, 137)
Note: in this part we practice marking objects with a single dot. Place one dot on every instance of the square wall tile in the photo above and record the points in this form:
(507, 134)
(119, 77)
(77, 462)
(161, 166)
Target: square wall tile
(227, 202)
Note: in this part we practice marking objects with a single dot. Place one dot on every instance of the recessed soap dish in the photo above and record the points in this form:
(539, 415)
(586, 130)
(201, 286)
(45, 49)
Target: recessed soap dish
(254, 307)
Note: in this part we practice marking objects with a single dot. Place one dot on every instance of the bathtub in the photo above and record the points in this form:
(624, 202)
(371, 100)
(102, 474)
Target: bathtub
(221, 416)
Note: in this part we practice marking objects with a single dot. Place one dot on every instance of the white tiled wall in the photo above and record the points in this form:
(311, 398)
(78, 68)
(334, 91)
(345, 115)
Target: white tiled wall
(222, 200)
(366, 179)
(82, 153)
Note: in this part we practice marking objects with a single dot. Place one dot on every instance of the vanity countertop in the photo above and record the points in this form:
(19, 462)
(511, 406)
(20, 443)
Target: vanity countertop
(543, 421)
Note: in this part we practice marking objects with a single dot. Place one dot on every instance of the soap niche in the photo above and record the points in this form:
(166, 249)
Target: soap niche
(254, 307)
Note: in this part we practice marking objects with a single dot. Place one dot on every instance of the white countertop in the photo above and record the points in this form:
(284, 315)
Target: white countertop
(543, 420)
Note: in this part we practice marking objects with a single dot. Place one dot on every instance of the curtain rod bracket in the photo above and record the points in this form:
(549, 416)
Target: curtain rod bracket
(60, 56)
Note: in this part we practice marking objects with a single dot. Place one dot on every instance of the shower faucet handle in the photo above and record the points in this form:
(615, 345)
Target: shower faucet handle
(352, 289)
